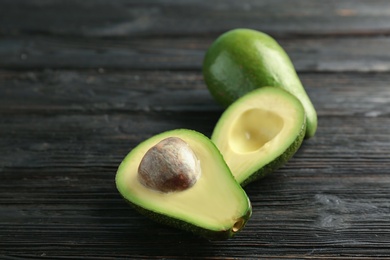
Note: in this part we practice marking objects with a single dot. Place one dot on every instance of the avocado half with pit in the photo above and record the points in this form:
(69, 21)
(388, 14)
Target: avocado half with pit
(260, 132)
(179, 178)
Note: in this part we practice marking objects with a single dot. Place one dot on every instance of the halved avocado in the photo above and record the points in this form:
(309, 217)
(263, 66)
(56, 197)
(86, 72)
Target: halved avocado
(213, 206)
(260, 132)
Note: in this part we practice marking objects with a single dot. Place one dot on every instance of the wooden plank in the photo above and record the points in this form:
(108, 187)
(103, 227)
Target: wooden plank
(58, 169)
(70, 140)
(329, 54)
(92, 92)
(166, 17)
(333, 223)
(62, 141)
(58, 198)
(83, 82)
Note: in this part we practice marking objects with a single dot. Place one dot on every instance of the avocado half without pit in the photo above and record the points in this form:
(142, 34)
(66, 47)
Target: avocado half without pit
(260, 132)
(179, 178)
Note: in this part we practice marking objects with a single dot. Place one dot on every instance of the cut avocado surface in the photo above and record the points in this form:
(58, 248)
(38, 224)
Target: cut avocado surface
(215, 206)
(242, 60)
(260, 132)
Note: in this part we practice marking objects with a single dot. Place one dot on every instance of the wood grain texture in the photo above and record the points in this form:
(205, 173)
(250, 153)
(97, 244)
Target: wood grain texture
(59, 166)
(326, 200)
(129, 91)
(144, 18)
(83, 82)
(322, 54)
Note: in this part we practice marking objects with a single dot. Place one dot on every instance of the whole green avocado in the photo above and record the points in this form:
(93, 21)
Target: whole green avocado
(242, 60)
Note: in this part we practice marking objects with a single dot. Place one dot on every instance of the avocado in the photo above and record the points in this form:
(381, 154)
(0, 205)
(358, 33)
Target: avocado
(260, 132)
(241, 60)
(179, 178)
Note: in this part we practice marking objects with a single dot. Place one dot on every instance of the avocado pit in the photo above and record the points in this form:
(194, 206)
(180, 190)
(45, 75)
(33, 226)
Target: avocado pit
(170, 165)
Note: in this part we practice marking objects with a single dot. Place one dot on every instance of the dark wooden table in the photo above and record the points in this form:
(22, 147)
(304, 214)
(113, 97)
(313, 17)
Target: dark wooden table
(83, 82)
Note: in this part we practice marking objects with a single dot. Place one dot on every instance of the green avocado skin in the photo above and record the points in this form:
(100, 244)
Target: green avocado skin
(242, 60)
(188, 227)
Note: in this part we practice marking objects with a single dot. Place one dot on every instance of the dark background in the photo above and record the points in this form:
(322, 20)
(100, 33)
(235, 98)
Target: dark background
(83, 82)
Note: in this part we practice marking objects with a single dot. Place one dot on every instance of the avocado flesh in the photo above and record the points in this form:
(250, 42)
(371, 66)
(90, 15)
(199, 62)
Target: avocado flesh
(241, 60)
(260, 132)
(215, 207)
